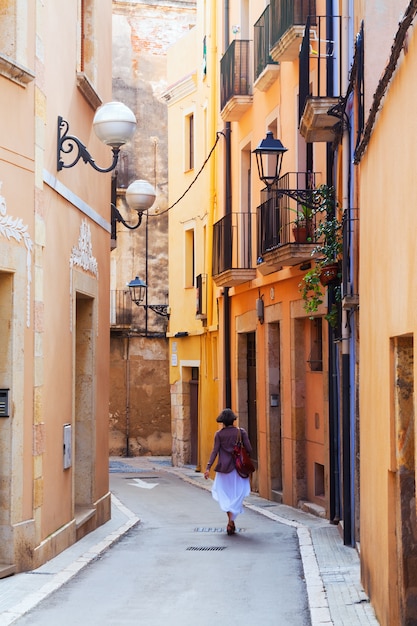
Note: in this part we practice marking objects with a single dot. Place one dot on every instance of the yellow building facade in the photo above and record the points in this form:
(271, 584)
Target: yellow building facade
(239, 332)
(387, 312)
(54, 280)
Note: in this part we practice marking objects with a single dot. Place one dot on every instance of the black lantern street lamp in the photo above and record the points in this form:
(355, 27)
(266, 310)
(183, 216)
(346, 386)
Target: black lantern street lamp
(137, 290)
(114, 124)
(269, 147)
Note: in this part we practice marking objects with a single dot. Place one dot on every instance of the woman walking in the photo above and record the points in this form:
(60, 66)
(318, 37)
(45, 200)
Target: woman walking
(229, 489)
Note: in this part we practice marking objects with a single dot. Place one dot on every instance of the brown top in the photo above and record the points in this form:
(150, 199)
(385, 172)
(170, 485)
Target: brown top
(224, 441)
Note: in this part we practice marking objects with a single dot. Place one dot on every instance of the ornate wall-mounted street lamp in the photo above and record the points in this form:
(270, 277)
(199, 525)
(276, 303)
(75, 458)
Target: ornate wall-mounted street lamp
(140, 196)
(268, 148)
(114, 124)
(137, 290)
(269, 155)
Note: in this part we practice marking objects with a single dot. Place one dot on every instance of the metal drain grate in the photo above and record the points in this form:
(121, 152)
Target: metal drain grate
(209, 530)
(206, 548)
(214, 530)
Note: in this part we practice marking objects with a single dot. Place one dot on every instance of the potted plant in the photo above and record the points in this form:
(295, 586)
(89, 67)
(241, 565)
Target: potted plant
(303, 224)
(327, 251)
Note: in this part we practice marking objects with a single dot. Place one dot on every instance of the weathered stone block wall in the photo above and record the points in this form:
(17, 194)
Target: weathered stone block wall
(140, 407)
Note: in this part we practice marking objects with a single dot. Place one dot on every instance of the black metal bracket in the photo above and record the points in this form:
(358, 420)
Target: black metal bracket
(117, 216)
(160, 309)
(67, 143)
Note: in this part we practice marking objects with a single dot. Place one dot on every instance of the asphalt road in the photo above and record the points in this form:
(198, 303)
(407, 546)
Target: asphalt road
(179, 567)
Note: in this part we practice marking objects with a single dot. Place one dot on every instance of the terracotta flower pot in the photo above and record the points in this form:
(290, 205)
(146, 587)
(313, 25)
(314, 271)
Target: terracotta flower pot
(302, 232)
(329, 274)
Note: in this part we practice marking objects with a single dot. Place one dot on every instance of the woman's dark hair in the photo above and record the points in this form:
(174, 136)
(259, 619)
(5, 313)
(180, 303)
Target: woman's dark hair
(227, 417)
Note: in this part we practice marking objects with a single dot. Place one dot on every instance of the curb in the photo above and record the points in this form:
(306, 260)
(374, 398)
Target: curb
(63, 576)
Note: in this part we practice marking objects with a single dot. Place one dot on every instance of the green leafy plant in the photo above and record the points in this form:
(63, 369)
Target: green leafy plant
(303, 223)
(305, 214)
(311, 290)
(328, 249)
(328, 230)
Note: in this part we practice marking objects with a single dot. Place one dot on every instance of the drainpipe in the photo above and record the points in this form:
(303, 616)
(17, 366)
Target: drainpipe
(334, 429)
(127, 390)
(228, 210)
(348, 496)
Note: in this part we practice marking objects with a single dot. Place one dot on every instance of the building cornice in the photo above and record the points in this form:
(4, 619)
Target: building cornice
(179, 90)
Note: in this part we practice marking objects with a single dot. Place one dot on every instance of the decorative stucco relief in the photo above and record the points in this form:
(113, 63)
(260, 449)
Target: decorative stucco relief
(13, 228)
(82, 257)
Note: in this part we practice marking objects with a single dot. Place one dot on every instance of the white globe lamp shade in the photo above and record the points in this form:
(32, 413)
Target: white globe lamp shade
(140, 195)
(114, 124)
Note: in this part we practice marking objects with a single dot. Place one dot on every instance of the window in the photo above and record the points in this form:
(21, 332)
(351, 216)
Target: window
(86, 48)
(87, 52)
(15, 17)
(189, 258)
(189, 142)
(316, 345)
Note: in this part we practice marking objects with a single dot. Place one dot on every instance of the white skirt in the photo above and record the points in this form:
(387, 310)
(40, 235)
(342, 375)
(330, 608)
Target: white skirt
(229, 490)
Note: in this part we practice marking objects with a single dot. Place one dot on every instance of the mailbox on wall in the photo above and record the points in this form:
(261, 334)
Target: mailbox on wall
(4, 403)
(67, 445)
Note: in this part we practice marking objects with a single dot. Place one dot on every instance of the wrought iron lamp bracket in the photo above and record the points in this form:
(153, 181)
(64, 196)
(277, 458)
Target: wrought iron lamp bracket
(67, 143)
(118, 217)
(301, 196)
(160, 309)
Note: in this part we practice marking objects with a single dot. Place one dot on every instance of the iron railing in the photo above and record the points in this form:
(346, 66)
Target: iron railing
(288, 13)
(235, 71)
(321, 55)
(127, 316)
(232, 242)
(121, 312)
(280, 207)
(262, 43)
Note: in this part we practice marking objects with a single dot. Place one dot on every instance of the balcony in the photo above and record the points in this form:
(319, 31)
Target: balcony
(288, 20)
(321, 67)
(236, 81)
(121, 311)
(233, 249)
(266, 69)
(280, 242)
(125, 316)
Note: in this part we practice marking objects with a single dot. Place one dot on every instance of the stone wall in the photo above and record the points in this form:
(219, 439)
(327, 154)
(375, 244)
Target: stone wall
(140, 409)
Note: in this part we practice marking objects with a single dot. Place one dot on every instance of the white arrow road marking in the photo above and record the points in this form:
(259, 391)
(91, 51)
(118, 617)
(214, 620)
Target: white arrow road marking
(137, 482)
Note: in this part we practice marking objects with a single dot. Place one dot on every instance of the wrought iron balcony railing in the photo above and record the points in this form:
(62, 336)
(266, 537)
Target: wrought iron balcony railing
(320, 78)
(233, 242)
(235, 71)
(280, 216)
(126, 315)
(121, 312)
(288, 18)
(262, 43)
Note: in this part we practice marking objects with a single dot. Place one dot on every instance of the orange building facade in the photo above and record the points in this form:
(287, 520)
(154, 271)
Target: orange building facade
(54, 280)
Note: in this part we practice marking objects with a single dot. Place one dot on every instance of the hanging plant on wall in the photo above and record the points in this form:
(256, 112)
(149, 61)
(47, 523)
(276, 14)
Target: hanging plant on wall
(328, 251)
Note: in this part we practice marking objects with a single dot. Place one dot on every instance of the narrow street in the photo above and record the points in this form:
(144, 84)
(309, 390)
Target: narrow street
(178, 565)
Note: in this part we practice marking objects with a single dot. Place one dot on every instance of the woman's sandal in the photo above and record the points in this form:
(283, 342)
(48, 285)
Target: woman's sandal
(231, 528)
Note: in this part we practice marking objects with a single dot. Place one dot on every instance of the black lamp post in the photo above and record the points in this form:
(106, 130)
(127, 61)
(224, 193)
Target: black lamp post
(269, 147)
(114, 124)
